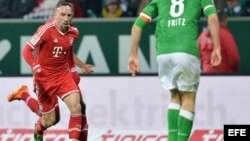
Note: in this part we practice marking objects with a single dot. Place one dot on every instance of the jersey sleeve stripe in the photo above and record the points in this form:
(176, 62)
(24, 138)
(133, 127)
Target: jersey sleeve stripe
(43, 29)
(209, 6)
(145, 17)
(74, 28)
(73, 69)
(30, 45)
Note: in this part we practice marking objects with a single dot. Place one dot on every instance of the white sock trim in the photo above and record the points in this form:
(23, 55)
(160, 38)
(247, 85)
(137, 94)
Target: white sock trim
(187, 114)
(174, 106)
(76, 115)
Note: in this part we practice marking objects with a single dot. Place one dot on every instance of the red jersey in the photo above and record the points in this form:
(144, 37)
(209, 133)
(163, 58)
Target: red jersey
(229, 52)
(72, 67)
(52, 49)
(71, 59)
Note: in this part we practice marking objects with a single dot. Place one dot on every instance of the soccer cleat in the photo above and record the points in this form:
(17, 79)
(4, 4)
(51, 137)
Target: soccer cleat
(38, 137)
(17, 94)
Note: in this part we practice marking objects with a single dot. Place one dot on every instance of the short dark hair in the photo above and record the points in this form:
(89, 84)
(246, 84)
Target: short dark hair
(65, 3)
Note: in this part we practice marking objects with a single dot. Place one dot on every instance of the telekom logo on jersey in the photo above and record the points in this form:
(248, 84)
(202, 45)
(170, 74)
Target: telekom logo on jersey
(57, 51)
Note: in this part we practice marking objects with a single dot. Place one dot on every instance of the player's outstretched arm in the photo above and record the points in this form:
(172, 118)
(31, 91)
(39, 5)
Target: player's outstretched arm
(85, 68)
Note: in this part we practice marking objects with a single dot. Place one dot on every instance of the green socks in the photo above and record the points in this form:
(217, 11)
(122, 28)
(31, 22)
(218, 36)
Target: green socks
(180, 123)
(173, 115)
(185, 123)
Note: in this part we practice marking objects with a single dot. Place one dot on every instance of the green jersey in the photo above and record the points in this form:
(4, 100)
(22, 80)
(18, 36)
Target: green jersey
(177, 23)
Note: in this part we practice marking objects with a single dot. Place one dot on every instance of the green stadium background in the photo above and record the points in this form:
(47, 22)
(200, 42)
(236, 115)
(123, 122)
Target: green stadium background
(107, 32)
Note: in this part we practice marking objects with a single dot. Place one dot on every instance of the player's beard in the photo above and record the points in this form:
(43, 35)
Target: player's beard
(64, 28)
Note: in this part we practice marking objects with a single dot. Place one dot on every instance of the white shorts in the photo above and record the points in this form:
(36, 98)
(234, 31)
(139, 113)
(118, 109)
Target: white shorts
(179, 71)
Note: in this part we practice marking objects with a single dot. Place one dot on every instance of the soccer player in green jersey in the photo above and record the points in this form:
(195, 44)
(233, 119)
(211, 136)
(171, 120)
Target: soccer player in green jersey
(177, 55)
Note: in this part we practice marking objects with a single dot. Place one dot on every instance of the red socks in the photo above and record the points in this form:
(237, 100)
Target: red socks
(75, 126)
(25, 95)
(32, 103)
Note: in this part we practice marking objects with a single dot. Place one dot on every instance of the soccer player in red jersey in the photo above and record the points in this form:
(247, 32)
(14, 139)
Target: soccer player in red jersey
(22, 92)
(52, 44)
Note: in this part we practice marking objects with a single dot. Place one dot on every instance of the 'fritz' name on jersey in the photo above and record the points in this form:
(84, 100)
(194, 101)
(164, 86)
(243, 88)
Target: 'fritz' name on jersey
(176, 22)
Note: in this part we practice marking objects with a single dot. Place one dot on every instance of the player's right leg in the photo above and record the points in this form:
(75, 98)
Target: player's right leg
(167, 79)
(186, 115)
(49, 109)
(22, 93)
(47, 120)
(187, 80)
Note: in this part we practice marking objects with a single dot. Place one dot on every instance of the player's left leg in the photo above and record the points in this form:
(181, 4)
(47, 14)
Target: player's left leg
(75, 123)
(84, 130)
(186, 116)
(22, 93)
(47, 120)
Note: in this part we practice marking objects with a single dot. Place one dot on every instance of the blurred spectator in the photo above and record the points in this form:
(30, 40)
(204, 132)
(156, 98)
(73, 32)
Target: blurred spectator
(220, 4)
(45, 9)
(16, 8)
(229, 50)
(92, 8)
(143, 3)
(235, 8)
(5, 11)
(112, 9)
(125, 4)
(248, 7)
(130, 7)
(78, 10)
